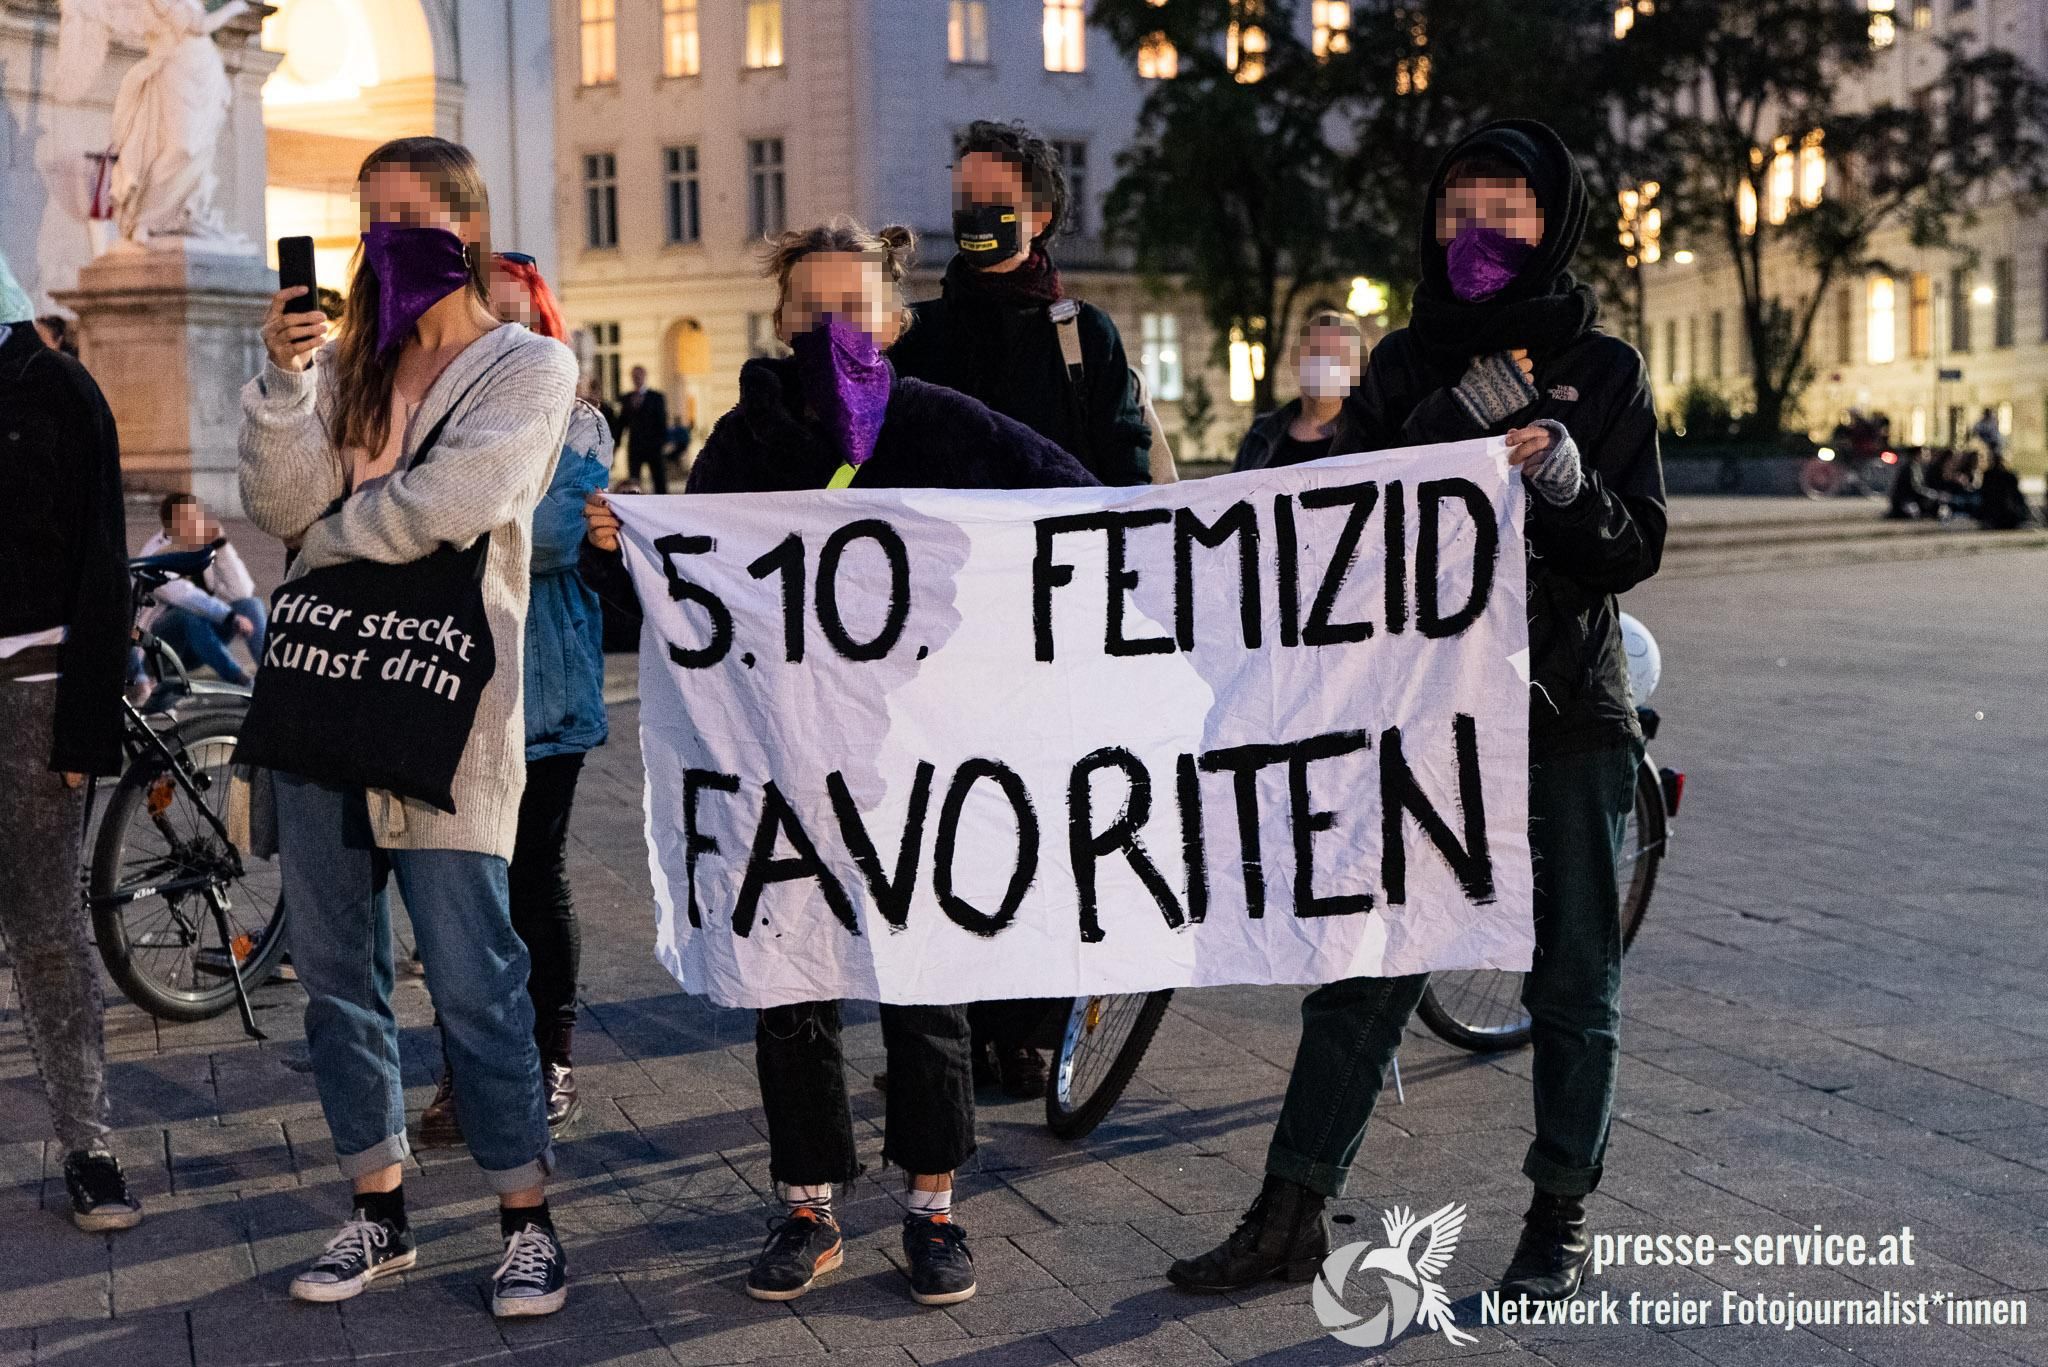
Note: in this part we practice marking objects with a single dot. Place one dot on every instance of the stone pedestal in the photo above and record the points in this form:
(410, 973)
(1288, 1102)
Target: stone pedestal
(170, 333)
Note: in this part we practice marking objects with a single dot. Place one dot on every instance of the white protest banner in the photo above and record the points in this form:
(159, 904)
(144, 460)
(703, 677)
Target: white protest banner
(941, 746)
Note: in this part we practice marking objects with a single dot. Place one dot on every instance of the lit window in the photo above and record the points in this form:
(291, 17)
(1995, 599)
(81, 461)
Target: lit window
(1813, 169)
(1881, 329)
(1920, 316)
(1782, 182)
(1066, 35)
(1160, 355)
(1332, 19)
(1745, 207)
(600, 200)
(1411, 73)
(1074, 161)
(2005, 418)
(764, 33)
(680, 54)
(766, 213)
(1157, 58)
(1884, 29)
(1244, 42)
(1247, 364)
(967, 33)
(1624, 20)
(682, 193)
(1923, 15)
(599, 28)
(1916, 427)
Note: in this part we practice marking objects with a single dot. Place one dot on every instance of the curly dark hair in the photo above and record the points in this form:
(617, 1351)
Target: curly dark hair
(1045, 176)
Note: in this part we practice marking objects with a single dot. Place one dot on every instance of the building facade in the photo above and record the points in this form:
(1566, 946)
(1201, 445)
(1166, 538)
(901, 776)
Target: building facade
(1932, 344)
(688, 129)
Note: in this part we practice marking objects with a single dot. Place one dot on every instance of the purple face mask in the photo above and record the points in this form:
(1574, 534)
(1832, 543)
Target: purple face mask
(416, 269)
(1483, 261)
(846, 383)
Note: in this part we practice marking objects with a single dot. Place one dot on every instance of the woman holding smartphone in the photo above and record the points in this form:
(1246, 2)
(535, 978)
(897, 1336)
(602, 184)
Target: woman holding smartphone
(332, 439)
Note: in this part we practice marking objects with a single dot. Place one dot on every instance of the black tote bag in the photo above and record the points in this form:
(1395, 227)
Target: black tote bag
(372, 673)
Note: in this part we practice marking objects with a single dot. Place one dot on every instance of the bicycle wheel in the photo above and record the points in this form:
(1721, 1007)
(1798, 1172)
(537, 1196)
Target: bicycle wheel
(1821, 478)
(1099, 1051)
(155, 862)
(1481, 1009)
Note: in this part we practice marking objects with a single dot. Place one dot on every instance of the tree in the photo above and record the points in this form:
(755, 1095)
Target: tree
(1771, 153)
(1230, 184)
(1197, 416)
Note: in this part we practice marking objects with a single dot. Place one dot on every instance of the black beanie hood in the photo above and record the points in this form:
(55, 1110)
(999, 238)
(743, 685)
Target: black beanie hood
(1545, 307)
(1552, 172)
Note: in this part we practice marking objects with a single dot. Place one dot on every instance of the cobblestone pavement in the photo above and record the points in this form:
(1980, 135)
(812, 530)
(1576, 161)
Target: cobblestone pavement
(1836, 1016)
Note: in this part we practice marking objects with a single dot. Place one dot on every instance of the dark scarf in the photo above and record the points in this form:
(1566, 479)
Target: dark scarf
(1546, 308)
(1034, 280)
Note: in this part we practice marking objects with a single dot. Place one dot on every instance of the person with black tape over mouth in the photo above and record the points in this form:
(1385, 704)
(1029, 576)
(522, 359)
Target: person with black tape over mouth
(1005, 331)
(1504, 341)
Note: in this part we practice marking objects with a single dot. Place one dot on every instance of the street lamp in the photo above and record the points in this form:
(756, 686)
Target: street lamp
(1368, 298)
(1983, 296)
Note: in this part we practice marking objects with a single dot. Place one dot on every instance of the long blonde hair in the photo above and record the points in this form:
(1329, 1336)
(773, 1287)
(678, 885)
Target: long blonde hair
(363, 377)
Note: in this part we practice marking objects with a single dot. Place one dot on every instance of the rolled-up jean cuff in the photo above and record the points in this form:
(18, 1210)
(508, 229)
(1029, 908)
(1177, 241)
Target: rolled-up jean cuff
(1325, 1178)
(1557, 1179)
(375, 1158)
(524, 1177)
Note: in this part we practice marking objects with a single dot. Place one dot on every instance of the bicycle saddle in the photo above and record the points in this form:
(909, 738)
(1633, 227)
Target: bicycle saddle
(156, 570)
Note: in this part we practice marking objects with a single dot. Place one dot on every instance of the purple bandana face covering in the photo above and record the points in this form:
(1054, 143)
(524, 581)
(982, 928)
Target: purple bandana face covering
(846, 383)
(416, 269)
(1482, 261)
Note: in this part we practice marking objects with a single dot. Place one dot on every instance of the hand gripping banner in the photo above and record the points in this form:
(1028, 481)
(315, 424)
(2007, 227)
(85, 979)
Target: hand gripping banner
(940, 746)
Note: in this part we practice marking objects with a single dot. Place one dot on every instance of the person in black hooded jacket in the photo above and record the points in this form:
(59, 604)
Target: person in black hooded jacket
(1503, 341)
(836, 414)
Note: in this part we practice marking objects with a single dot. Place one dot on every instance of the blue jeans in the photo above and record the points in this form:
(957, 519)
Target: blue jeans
(335, 880)
(200, 642)
(1578, 804)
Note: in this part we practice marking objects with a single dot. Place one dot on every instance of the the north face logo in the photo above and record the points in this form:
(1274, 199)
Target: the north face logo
(1564, 393)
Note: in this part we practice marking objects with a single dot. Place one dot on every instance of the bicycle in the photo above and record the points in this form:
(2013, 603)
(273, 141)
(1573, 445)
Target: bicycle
(1827, 474)
(1101, 1044)
(164, 869)
(1481, 1009)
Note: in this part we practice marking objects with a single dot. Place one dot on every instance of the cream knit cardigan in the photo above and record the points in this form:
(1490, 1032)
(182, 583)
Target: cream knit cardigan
(485, 474)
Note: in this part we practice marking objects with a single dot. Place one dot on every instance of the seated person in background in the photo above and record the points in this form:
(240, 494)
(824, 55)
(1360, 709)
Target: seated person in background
(200, 618)
(2000, 504)
(1910, 496)
(1953, 478)
(1328, 361)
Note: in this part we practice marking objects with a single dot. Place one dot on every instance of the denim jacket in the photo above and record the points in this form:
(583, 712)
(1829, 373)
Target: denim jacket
(564, 650)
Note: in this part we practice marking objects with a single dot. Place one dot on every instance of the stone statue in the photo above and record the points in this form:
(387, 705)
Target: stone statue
(168, 113)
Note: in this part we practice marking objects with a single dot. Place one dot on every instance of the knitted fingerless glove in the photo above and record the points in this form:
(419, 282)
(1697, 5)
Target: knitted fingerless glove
(1557, 477)
(1494, 390)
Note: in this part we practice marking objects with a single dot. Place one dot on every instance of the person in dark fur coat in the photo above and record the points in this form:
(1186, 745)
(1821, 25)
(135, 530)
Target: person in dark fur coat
(832, 414)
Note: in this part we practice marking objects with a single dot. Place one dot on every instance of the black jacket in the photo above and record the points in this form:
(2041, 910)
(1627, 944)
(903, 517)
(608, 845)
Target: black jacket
(1580, 556)
(64, 541)
(931, 438)
(644, 418)
(1268, 430)
(1008, 356)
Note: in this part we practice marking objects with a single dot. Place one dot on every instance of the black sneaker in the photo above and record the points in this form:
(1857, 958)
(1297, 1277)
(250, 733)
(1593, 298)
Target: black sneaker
(363, 1251)
(534, 1278)
(802, 1246)
(941, 1268)
(99, 1193)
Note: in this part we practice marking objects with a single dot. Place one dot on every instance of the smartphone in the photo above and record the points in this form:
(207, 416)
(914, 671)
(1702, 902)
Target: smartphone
(295, 267)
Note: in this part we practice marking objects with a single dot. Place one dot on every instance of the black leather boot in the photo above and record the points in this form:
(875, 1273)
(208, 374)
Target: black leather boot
(558, 1079)
(1550, 1260)
(1285, 1234)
